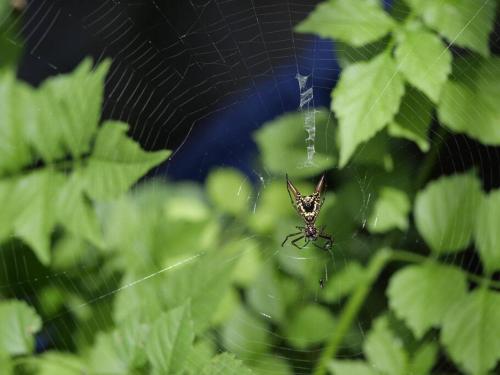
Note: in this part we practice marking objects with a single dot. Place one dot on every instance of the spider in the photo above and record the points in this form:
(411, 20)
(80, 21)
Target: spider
(308, 207)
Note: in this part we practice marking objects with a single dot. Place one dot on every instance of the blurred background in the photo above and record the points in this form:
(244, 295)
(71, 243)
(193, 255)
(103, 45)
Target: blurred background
(215, 82)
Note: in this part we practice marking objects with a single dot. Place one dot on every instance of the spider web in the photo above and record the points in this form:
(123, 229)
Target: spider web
(179, 85)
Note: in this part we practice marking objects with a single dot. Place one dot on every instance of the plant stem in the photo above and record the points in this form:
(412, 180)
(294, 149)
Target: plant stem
(352, 308)
(430, 160)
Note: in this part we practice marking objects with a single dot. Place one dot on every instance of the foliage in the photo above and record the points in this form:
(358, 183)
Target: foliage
(178, 278)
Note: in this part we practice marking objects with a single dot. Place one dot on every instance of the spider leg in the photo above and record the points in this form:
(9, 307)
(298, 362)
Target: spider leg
(328, 238)
(294, 242)
(290, 235)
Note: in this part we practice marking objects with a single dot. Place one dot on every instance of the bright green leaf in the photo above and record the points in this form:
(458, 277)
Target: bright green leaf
(413, 119)
(59, 363)
(75, 214)
(226, 364)
(229, 190)
(365, 100)
(421, 295)
(69, 111)
(424, 359)
(384, 350)
(356, 22)
(424, 60)
(18, 324)
(16, 108)
(246, 335)
(486, 233)
(275, 365)
(264, 295)
(34, 196)
(122, 350)
(204, 282)
(6, 364)
(466, 23)
(390, 211)
(445, 212)
(469, 101)
(309, 325)
(471, 331)
(344, 282)
(282, 144)
(116, 162)
(348, 367)
(171, 340)
(227, 307)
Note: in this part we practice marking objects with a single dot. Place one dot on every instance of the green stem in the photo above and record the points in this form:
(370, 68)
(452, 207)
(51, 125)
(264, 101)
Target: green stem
(430, 161)
(352, 308)
(355, 302)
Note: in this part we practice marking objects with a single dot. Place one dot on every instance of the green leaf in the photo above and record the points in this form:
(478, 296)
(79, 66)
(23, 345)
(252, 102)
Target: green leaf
(246, 335)
(347, 367)
(486, 232)
(413, 119)
(384, 350)
(344, 282)
(309, 325)
(424, 60)
(116, 162)
(468, 103)
(204, 283)
(226, 364)
(59, 363)
(365, 100)
(171, 341)
(6, 364)
(271, 365)
(75, 214)
(70, 109)
(445, 212)
(264, 295)
(466, 23)
(18, 324)
(424, 359)
(35, 219)
(471, 331)
(282, 144)
(16, 108)
(356, 22)
(421, 295)
(229, 190)
(122, 350)
(390, 211)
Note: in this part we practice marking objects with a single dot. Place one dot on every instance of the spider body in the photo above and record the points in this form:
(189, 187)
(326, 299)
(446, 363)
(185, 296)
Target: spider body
(308, 207)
